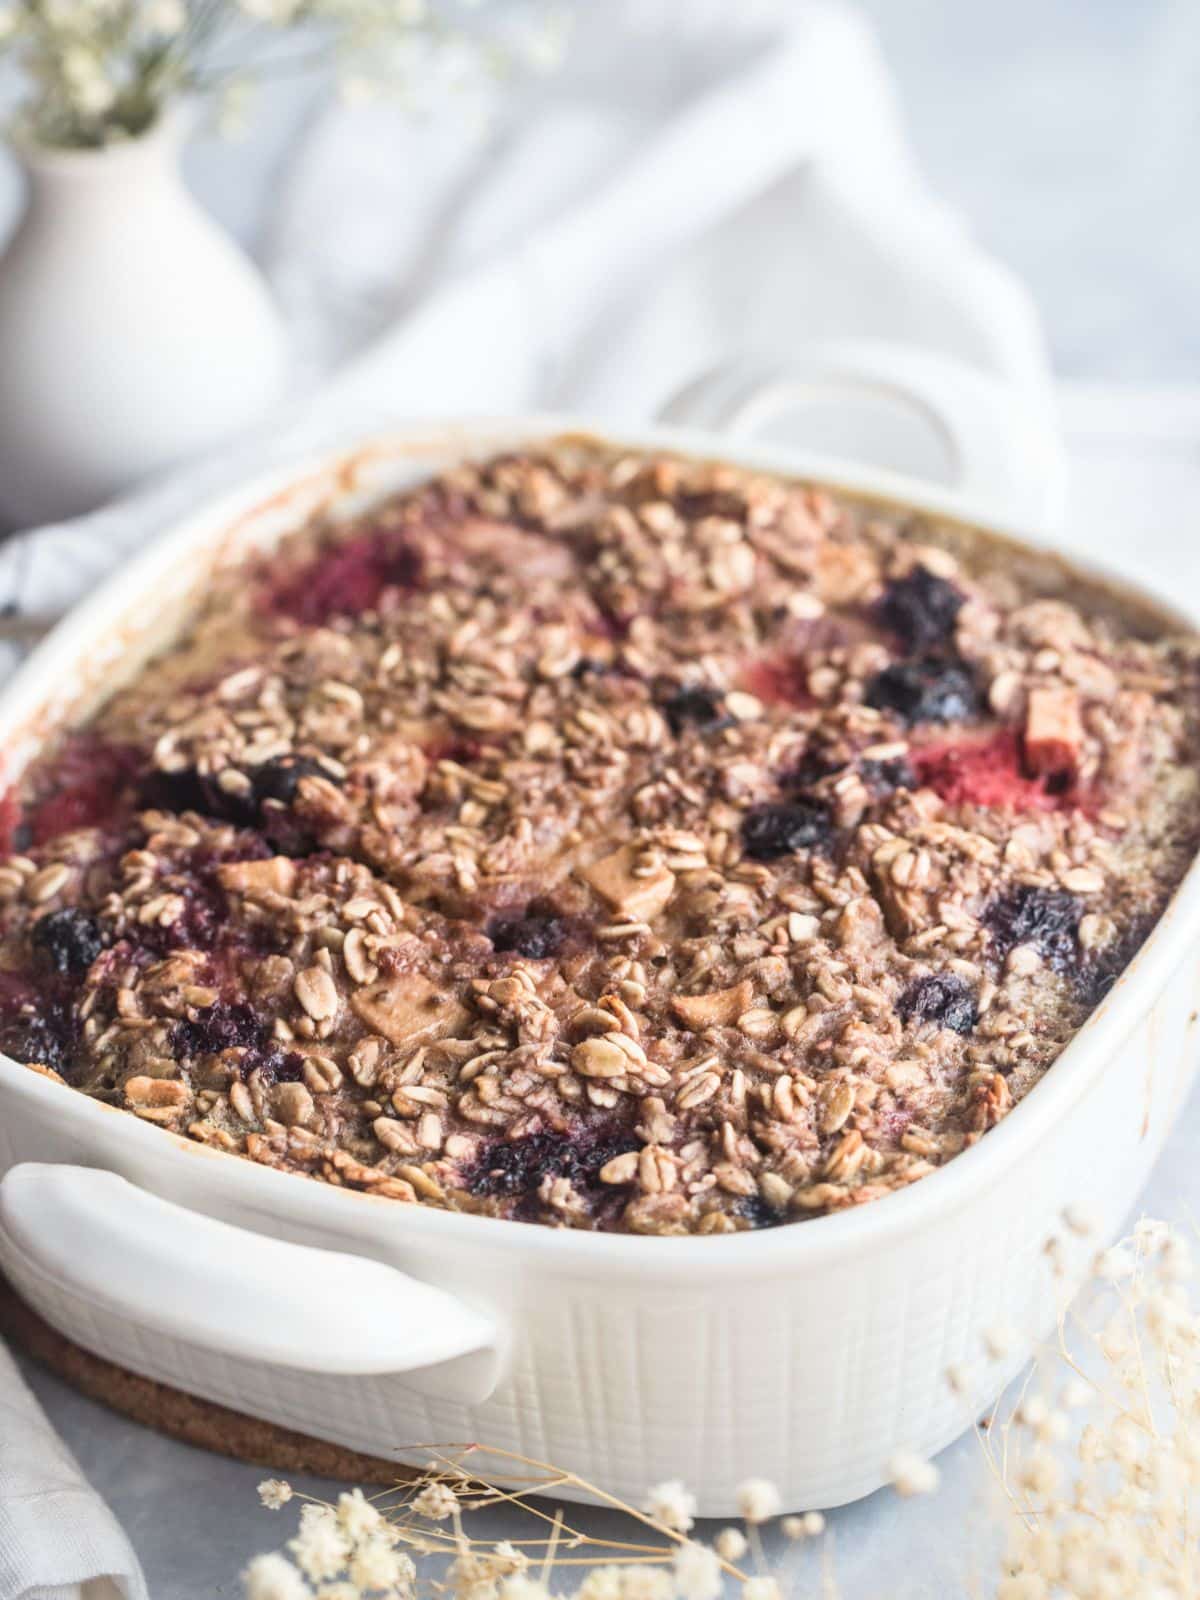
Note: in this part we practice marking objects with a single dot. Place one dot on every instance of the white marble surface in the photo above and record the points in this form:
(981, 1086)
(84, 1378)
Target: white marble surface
(1067, 133)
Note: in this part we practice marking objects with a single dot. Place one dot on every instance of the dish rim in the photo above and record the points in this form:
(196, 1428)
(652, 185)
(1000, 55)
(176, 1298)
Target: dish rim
(841, 1235)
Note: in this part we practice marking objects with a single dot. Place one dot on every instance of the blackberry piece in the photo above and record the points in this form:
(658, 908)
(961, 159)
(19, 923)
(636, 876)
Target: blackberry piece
(40, 1026)
(771, 831)
(885, 777)
(1047, 919)
(921, 608)
(758, 1213)
(696, 707)
(929, 689)
(942, 998)
(275, 1064)
(535, 937)
(221, 1026)
(189, 790)
(280, 779)
(69, 940)
(516, 1167)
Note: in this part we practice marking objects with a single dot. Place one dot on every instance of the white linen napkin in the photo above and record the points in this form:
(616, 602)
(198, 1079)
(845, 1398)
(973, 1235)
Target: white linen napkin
(700, 181)
(58, 1540)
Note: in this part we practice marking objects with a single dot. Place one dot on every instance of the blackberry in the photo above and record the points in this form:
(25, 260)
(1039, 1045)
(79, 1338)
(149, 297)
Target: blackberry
(69, 939)
(275, 1064)
(930, 689)
(885, 777)
(218, 1027)
(532, 936)
(43, 1029)
(280, 779)
(696, 707)
(190, 790)
(943, 998)
(516, 1167)
(921, 608)
(771, 831)
(1047, 919)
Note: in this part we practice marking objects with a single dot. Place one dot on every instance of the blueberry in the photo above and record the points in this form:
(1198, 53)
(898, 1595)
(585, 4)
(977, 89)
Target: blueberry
(921, 608)
(943, 998)
(771, 831)
(69, 939)
(1047, 919)
(930, 689)
(696, 707)
(535, 937)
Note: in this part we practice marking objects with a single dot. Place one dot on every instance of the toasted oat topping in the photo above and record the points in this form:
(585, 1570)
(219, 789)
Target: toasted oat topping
(605, 841)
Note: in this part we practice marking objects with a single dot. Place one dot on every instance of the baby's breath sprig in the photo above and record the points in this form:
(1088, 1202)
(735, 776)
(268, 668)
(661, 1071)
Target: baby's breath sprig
(1095, 1450)
(103, 71)
(431, 1520)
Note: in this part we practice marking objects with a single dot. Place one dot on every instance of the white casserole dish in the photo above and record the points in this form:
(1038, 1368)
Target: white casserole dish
(806, 1354)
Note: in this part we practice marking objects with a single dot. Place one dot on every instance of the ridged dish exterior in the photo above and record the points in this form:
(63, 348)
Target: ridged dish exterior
(806, 1354)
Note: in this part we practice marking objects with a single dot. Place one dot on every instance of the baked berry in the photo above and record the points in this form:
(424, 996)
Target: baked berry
(280, 779)
(535, 937)
(69, 940)
(516, 1167)
(218, 1027)
(696, 707)
(1047, 919)
(190, 790)
(771, 831)
(930, 689)
(921, 609)
(942, 998)
(885, 777)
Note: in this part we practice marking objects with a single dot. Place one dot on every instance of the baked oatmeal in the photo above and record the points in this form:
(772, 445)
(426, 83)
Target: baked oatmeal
(609, 841)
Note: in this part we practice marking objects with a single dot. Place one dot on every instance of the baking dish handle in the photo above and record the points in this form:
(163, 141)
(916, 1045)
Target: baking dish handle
(73, 1237)
(890, 405)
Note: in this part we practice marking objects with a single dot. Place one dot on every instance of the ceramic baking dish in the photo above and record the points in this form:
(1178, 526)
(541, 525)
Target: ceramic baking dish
(806, 1354)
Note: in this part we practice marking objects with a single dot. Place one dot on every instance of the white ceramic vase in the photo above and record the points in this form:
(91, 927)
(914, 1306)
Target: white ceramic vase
(133, 332)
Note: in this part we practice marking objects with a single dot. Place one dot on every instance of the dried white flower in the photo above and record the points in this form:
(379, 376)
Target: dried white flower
(758, 1500)
(999, 1341)
(320, 1549)
(437, 1501)
(273, 1577)
(810, 1526)
(911, 1474)
(375, 1565)
(697, 1572)
(761, 1589)
(672, 1505)
(1116, 1264)
(519, 1587)
(646, 1583)
(274, 1493)
(601, 1583)
(357, 1516)
(730, 1544)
